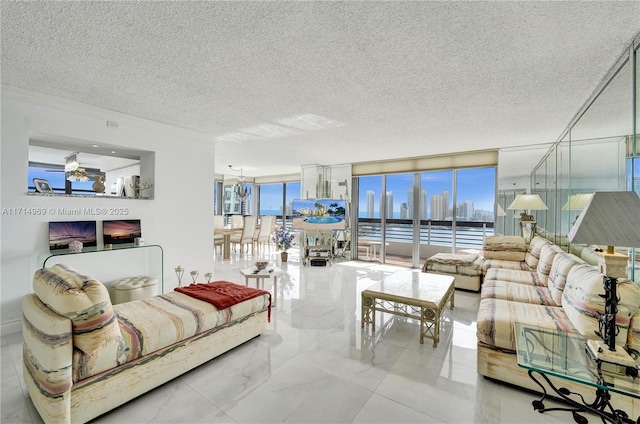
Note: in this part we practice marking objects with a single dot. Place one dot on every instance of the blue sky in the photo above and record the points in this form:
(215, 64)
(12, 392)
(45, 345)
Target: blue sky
(477, 185)
(271, 197)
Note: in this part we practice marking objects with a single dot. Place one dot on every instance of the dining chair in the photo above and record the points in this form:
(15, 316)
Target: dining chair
(246, 236)
(237, 221)
(267, 224)
(218, 239)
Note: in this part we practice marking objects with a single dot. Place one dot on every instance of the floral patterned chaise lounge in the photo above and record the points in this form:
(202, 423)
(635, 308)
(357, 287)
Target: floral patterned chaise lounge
(84, 356)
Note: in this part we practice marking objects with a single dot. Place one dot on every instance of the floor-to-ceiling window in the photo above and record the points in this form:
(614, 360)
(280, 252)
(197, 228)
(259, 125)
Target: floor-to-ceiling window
(436, 212)
(474, 206)
(398, 228)
(435, 209)
(276, 199)
(369, 223)
(450, 210)
(271, 199)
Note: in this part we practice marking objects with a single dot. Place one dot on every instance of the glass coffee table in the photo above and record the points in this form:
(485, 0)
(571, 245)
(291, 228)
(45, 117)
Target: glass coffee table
(547, 352)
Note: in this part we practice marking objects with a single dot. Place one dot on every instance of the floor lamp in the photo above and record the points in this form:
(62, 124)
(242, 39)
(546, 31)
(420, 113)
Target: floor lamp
(611, 219)
(527, 202)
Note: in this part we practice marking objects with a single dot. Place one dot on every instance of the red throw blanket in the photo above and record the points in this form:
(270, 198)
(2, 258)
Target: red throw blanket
(223, 294)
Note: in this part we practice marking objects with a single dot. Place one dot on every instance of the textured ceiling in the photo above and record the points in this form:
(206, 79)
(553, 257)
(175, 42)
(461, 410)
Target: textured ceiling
(373, 80)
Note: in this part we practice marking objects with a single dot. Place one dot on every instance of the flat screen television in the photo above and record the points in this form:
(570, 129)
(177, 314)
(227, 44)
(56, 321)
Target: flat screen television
(121, 231)
(319, 214)
(64, 232)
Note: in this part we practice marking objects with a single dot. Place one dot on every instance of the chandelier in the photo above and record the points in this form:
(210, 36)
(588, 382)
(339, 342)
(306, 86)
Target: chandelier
(240, 188)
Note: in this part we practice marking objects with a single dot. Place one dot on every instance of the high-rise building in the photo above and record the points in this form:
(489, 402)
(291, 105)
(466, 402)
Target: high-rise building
(389, 200)
(409, 204)
(404, 211)
(440, 206)
(445, 207)
(436, 207)
(423, 203)
(370, 201)
(465, 210)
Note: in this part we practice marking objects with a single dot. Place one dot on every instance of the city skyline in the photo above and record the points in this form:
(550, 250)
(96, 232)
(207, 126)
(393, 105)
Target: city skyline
(475, 186)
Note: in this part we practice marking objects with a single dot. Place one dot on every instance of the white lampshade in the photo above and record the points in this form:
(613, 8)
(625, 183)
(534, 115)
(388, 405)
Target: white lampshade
(609, 218)
(577, 202)
(501, 211)
(528, 201)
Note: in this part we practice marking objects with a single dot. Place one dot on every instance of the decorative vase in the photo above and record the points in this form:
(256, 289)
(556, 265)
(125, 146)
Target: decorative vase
(98, 186)
(284, 256)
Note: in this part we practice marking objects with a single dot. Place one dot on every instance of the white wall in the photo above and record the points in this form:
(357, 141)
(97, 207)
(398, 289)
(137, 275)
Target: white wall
(178, 218)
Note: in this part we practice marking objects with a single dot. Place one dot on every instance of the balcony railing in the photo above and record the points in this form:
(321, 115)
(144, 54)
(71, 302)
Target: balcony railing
(468, 234)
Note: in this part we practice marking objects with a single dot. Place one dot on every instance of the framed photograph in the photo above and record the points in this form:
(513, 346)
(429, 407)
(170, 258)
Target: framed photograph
(63, 233)
(121, 231)
(42, 186)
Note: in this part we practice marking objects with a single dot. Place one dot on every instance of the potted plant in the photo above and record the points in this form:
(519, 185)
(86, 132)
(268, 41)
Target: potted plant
(283, 239)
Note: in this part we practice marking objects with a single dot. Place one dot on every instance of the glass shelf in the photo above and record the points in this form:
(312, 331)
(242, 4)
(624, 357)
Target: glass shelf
(153, 253)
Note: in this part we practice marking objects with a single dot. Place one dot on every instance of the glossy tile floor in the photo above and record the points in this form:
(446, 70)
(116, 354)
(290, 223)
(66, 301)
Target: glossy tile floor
(315, 364)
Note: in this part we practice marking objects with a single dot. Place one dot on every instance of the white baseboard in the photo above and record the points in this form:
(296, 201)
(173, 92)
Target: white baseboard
(11, 327)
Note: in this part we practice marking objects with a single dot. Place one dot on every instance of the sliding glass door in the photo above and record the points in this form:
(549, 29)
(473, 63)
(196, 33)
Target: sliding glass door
(405, 218)
(398, 219)
(474, 206)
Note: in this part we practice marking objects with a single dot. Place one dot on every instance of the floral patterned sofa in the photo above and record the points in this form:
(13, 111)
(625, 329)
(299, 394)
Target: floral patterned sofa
(84, 356)
(547, 287)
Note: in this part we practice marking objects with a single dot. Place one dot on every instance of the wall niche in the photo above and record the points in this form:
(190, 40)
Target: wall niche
(60, 166)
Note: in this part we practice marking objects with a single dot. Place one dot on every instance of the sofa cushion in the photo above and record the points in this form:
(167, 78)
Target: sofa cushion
(98, 344)
(547, 253)
(525, 293)
(511, 248)
(589, 255)
(585, 252)
(562, 264)
(134, 288)
(501, 263)
(583, 304)
(151, 324)
(533, 252)
(497, 316)
(469, 264)
(513, 276)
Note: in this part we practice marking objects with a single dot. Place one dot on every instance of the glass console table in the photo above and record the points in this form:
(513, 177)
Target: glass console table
(547, 352)
(119, 261)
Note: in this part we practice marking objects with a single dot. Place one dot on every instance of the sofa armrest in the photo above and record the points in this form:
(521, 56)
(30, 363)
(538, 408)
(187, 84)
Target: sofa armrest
(47, 359)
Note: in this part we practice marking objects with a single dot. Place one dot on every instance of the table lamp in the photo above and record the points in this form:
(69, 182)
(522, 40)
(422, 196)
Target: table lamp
(527, 202)
(577, 202)
(611, 219)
